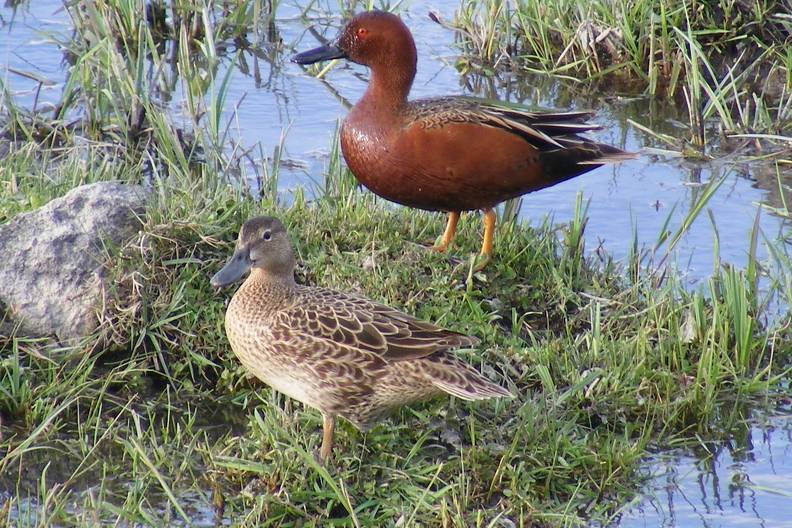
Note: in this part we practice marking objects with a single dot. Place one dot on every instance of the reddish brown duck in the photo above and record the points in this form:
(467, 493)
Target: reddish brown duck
(452, 153)
(339, 353)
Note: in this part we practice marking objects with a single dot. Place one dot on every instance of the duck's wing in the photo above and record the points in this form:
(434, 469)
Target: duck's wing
(544, 129)
(355, 323)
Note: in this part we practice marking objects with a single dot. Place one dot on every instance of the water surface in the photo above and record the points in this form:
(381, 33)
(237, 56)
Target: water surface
(745, 480)
(272, 97)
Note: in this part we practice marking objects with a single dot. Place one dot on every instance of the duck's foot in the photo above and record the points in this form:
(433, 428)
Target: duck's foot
(439, 248)
(448, 234)
(328, 428)
(481, 262)
(442, 249)
(452, 259)
(489, 234)
(317, 454)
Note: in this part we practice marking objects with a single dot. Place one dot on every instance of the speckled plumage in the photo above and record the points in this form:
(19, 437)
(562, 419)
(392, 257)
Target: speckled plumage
(340, 353)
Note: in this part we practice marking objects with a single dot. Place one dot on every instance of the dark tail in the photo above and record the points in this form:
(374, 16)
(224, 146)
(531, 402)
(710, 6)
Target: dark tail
(579, 156)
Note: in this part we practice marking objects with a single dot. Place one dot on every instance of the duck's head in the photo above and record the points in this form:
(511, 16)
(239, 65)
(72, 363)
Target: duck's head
(263, 247)
(371, 38)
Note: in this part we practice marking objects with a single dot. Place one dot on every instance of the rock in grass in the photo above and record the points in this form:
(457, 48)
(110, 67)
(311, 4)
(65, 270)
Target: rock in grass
(50, 269)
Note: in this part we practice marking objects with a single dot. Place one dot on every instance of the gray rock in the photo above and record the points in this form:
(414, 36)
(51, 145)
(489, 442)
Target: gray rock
(50, 259)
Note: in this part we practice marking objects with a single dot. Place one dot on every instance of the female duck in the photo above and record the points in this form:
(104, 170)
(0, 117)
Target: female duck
(339, 353)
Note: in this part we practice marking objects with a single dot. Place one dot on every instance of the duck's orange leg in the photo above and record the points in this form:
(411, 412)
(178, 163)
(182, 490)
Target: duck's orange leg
(448, 234)
(328, 428)
(489, 235)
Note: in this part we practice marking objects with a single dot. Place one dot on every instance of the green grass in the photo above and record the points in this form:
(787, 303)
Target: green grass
(727, 62)
(154, 418)
(152, 421)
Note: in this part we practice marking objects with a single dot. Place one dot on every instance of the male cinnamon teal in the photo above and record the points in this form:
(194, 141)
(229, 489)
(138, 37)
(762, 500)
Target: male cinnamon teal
(340, 353)
(451, 153)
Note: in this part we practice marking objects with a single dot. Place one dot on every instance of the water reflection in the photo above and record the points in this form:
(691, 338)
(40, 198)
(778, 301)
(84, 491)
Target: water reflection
(743, 480)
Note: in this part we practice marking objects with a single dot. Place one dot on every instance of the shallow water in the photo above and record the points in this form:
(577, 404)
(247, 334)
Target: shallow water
(747, 481)
(277, 96)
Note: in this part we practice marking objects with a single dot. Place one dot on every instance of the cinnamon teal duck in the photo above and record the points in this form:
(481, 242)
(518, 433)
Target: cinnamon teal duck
(452, 153)
(340, 353)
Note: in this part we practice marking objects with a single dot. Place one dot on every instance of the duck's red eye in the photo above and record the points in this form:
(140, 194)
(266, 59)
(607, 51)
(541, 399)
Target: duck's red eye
(362, 32)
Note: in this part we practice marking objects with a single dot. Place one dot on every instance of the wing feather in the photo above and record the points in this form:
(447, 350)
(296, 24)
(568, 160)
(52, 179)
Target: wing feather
(356, 323)
(544, 129)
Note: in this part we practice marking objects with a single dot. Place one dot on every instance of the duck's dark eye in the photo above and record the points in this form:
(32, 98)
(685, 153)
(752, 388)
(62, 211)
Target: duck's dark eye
(267, 235)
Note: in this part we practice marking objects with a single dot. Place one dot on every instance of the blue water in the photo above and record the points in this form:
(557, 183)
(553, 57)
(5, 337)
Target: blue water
(744, 481)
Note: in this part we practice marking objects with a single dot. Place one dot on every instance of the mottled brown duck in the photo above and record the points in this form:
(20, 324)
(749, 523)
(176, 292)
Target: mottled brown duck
(451, 153)
(340, 353)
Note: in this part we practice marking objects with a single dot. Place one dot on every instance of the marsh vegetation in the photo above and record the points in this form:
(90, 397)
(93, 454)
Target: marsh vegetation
(152, 421)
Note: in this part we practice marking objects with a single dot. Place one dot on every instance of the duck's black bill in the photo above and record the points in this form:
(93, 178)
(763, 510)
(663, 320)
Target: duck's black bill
(235, 269)
(322, 53)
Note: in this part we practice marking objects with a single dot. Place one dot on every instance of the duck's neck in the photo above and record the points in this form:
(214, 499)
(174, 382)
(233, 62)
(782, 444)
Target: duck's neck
(273, 286)
(390, 83)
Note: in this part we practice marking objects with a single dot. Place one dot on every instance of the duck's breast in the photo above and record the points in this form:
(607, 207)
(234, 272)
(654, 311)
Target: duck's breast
(367, 148)
(266, 352)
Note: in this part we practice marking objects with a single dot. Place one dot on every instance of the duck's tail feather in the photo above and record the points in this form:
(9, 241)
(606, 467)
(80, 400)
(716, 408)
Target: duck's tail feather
(459, 379)
(578, 156)
(614, 157)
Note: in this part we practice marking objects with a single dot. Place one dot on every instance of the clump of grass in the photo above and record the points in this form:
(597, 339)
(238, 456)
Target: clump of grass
(127, 60)
(604, 368)
(726, 61)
